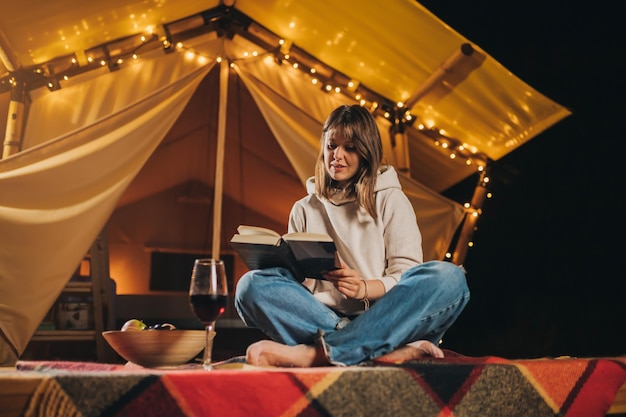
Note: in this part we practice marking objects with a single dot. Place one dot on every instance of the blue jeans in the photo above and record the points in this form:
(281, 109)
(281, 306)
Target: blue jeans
(422, 306)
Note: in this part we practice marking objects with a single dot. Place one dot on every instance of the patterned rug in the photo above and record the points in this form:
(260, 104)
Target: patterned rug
(452, 387)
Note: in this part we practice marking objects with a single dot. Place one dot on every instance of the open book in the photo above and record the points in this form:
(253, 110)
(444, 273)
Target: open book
(306, 255)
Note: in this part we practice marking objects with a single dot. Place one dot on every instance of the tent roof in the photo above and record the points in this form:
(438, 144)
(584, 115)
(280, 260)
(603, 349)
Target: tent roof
(395, 51)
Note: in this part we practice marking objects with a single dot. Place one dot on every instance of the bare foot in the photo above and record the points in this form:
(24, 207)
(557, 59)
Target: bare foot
(413, 350)
(270, 353)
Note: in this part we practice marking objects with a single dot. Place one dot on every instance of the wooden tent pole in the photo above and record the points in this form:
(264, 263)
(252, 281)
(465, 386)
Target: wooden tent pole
(453, 70)
(15, 120)
(400, 147)
(219, 158)
(13, 135)
(471, 218)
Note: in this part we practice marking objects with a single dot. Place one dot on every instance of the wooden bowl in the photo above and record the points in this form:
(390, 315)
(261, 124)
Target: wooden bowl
(156, 348)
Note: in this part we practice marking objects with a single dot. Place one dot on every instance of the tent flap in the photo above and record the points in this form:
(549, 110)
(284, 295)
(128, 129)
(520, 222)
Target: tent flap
(55, 198)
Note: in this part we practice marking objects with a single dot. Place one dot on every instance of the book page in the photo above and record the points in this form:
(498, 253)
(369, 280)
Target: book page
(258, 239)
(255, 230)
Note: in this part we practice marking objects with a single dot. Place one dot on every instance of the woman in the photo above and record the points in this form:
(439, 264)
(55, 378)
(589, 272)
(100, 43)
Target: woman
(382, 302)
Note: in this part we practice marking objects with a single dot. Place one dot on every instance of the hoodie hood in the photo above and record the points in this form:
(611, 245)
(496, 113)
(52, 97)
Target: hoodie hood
(387, 178)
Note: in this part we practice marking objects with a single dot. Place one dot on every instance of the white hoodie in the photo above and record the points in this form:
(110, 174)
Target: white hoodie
(379, 249)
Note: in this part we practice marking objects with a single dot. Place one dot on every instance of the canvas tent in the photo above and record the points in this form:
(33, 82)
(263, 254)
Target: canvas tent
(175, 123)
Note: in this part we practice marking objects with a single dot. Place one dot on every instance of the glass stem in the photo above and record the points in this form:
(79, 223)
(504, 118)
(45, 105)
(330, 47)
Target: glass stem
(208, 346)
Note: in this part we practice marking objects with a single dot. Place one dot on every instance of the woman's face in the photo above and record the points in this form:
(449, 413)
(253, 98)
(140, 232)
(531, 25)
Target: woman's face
(341, 158)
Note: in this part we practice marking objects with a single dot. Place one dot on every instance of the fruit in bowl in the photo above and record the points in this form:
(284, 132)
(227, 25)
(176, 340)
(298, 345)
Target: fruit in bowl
(156, 346)
(136, 324)
(133, 324)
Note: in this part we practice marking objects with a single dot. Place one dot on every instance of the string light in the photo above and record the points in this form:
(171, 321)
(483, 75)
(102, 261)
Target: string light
(454, 147)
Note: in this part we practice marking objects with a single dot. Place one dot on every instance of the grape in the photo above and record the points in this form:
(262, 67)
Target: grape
(164, 326)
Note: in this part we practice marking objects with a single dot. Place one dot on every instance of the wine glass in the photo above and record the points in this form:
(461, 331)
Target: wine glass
(208, 296)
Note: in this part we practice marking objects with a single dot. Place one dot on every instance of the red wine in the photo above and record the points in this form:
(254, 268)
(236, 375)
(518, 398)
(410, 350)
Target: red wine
(208, 307)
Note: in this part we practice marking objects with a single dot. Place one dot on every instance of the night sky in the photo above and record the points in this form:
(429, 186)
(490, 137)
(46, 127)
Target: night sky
(547, 273)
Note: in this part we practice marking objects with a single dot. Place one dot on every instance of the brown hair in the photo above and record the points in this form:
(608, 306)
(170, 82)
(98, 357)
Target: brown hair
(358, 126)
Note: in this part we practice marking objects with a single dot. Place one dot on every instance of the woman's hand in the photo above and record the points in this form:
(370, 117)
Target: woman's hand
(347, 281)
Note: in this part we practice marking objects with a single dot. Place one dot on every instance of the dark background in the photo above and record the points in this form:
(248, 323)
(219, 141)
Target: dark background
(547, 272)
